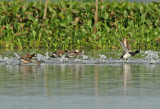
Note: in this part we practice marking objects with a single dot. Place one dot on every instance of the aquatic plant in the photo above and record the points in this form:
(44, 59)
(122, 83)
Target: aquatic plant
(70, 24)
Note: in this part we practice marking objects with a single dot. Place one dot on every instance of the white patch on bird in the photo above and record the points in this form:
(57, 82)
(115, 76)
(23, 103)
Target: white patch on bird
(126, 56)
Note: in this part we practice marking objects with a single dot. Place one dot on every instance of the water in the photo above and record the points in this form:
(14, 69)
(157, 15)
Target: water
(97, 80)
(121, 86)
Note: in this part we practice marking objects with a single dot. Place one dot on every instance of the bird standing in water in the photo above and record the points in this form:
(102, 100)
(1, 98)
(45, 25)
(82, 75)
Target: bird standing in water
(127, 50)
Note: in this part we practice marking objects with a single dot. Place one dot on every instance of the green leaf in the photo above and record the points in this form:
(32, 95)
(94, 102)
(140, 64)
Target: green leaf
(63, 24)
(69, 19)
(125, 13)
(106, 15)
(143, 17)
(61, 15)
(141, 9)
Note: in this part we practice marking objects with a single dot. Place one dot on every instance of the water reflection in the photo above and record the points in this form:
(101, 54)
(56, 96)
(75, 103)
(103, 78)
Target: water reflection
(57, 83)
(93, 80)
(96, 79)
(127, 75)
(30, 70)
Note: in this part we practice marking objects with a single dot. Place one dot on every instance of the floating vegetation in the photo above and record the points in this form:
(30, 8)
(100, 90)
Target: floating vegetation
(69, 24)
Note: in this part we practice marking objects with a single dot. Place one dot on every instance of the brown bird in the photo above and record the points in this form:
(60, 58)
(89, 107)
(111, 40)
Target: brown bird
(74, 53)
(59, 53)
(25, 61)
(34, 60)
(27, 58)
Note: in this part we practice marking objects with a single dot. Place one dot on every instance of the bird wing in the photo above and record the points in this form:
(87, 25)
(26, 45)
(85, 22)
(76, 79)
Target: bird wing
(125, 41)
(128, 46)
(123, 46)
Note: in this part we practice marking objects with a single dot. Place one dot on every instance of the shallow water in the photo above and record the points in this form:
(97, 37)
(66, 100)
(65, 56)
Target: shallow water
(117, 86)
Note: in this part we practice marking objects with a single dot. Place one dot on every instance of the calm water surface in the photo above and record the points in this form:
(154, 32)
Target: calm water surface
(121, 86)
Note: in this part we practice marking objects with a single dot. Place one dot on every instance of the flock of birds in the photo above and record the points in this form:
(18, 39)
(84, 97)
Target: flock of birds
(28, 58)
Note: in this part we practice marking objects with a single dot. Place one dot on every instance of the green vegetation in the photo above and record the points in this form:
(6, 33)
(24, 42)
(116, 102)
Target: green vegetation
(70, 25)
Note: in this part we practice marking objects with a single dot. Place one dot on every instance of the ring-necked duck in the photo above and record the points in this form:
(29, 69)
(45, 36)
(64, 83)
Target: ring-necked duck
(127, 50)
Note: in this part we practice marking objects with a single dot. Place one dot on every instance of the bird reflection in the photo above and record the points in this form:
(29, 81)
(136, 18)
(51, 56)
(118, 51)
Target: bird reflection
(29, 70)
(96, 80)
(127, 75)
(25, 70)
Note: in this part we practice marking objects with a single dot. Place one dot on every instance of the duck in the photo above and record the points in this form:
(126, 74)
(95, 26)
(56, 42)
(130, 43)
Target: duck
(26, 59)
(28, 56)
(34, 60)
(127, 50)
(74, 53)
(59, 53)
